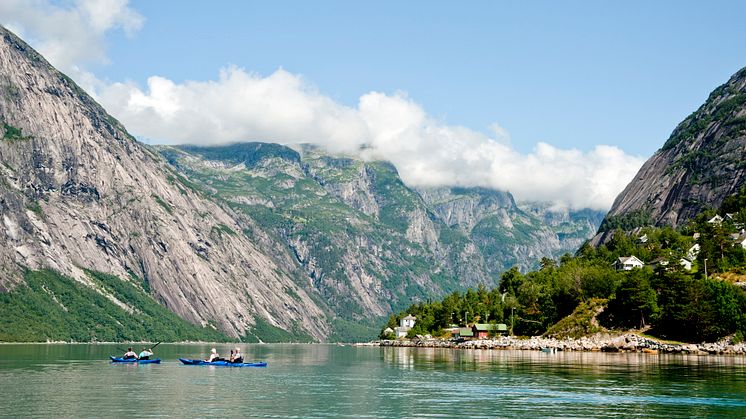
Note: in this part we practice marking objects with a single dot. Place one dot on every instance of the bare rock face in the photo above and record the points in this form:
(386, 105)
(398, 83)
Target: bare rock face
(78, 192)
(700, 165)
(508, 234)
(238, 237)
(364, 243)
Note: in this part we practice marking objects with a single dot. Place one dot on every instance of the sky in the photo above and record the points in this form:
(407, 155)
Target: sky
(553, 101)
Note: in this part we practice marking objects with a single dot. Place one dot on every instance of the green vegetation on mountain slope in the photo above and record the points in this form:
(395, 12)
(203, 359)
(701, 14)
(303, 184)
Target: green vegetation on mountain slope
(664, 297)
(340, 247)
(53, 307)
(700, 165)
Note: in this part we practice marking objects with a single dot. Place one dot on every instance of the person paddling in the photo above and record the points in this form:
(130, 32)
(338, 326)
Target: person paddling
(213, 356)
(237, 358)
(130, 354)
(145, 354)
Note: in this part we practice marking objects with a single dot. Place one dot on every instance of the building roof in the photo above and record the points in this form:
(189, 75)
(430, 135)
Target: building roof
(629, 259)
(486, 327)
(410, 317)
(465, 332)
(739, 237)
(717, 219)
(483, 327)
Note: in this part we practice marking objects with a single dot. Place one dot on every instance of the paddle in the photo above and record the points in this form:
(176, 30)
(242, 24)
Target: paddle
(155, 346)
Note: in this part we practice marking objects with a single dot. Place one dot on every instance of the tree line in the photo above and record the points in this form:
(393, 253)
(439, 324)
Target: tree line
(663, 298)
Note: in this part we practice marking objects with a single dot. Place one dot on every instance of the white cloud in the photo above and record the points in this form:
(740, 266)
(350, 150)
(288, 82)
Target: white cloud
(284, 108)
(70, 34)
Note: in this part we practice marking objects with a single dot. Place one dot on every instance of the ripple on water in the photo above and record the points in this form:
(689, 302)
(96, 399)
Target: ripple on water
(329, 381)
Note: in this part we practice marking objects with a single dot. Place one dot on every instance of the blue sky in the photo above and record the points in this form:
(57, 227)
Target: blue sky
(574, 74)
(552, 101)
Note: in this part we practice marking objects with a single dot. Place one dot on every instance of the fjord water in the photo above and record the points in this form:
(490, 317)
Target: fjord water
(335, 381)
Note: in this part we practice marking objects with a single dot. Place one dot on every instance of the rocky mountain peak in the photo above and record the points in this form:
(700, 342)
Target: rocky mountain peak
(701, 164)
(78, 193)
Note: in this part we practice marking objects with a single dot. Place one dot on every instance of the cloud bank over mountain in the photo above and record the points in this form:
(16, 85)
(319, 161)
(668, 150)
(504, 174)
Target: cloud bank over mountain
(283, 107)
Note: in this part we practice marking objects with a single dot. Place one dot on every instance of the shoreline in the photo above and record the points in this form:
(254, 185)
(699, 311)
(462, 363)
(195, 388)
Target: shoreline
(597, 343)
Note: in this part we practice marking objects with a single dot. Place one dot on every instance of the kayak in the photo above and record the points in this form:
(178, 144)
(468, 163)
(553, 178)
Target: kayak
(135, 361)
(222, 363)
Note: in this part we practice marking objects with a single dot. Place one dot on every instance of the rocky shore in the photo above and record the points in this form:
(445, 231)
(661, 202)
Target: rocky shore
(597, 343)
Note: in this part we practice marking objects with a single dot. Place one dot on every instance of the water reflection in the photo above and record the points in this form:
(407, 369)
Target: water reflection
(327, 380)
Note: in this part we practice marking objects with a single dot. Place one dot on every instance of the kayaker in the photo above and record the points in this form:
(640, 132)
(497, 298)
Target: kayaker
(130, 354)
(213, 356)
(145, 354)
(237, 358)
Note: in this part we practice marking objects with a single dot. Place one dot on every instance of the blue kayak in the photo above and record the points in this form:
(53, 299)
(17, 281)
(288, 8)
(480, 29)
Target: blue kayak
(135, 361)
(222, 363)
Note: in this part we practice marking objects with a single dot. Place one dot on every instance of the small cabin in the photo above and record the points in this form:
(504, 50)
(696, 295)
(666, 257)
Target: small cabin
(464, 333)
(693, 251)
(407, 321)
(627, 263)
(716, 220)
(739, 239)
(483, 330)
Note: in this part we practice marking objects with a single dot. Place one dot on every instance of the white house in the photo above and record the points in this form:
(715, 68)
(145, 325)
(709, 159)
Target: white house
(405, 324)
(686, 264)
(693, 251)
(627, 263)
(407, 321)
(643, 239)
(716, 220)
(739, 238)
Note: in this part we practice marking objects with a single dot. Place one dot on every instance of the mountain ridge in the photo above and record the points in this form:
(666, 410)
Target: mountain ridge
(79, 192)
(700, 165)
(258, 241)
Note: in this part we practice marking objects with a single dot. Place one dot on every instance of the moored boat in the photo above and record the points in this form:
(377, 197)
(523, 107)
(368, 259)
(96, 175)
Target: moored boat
(134, 360)
(222, 363)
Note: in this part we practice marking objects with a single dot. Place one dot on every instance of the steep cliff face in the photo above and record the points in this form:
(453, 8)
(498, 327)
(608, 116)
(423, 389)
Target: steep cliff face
(77, 192)
(366, 243)
(507, 234)
(467, 236)
(702, 163)
(252, 239)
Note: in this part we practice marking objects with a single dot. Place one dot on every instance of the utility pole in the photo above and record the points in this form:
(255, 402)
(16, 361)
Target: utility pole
(512, 320)
(705, 268)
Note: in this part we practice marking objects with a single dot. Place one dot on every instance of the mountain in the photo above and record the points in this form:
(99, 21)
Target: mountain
(364, 242)
(78, 194)
(507, 233)
(444, 238)
(701, 164)
(105, 238)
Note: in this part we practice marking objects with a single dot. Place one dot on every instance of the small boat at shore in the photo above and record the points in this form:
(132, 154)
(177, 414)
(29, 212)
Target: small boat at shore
(121, 360)
(549, 350)
(222, 363)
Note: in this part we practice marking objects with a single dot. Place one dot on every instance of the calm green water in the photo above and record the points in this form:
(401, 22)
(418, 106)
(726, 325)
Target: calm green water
(334, 381)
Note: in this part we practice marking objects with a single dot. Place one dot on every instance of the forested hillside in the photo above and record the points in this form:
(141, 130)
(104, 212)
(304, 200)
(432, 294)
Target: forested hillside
(664, 298)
